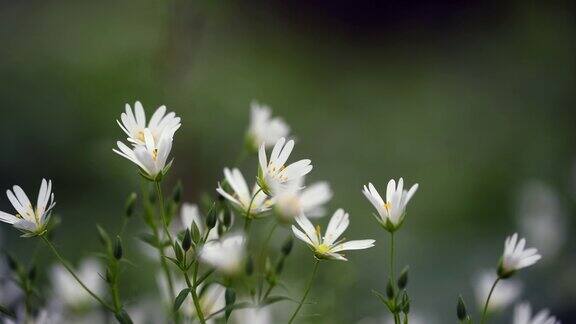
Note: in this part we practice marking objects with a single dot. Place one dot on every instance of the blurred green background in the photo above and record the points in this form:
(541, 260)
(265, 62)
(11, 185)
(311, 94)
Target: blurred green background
(470, 99)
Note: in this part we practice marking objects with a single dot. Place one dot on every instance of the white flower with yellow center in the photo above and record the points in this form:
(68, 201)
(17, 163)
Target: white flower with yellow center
(151, 157)
(503, 295)
(32, 221)
(327, 246)
(252, 203)
(226, 254)
(516, 257)
(523, 315)
(68, 291)
(294, 200)
(273, 173)
(134, 123)
(263, 128)
(392, 211)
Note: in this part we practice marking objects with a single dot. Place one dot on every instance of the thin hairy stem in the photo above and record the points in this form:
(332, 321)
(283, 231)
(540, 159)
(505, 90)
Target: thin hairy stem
(308, 286)
(484, 313)
(65, 264)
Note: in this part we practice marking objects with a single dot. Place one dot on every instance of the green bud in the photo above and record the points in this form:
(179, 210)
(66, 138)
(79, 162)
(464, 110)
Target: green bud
(230, 297)
(227, 217)
(118, 248)
(177, 193)
(130, 204)
(221, 229)
(178, 251)
(103, 236)
(32, 273)
(390, 293)
(249, 266)
(12, 263)
(280, 266)
(187, 241)
(405, 304)
(403, 278)
(108, 276)
(461, 311)
(287, 246)
(212, 217)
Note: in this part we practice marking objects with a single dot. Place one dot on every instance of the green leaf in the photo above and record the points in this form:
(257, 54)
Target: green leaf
(150, 240)
(104, 237)
(180, 298)
(275, 299)
(123, 317)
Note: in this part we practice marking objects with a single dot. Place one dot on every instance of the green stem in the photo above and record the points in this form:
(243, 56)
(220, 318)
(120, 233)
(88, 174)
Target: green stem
(192, 286)
(308, 286)
(65, 264)
(392, 278)
(261, 259)
(488, 300)
(163, 210)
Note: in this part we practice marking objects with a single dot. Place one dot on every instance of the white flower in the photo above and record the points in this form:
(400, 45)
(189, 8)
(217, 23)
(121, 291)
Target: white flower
(327, 247)
(523, 315)
(541, 217)
(293, 200)
(134, 124)
(189, 215)
(264, 129)
(515, 257)
(69, 291)
(250, 203)
(392, 211)
(226, 254)
(32, 221)
(151, 157)
(211, 300)
(505, 293)
(273, 173)
(250, 315)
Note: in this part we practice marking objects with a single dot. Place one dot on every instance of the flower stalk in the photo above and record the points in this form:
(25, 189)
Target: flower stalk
(306, 291)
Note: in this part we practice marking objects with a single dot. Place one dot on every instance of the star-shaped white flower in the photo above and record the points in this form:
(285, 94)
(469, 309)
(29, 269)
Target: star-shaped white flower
(273, 173)
(327, 246)
(392, 211)
(150, 158)
(134, 123)
(263, 128)
(32, 221)
(226, 254)
(295, 200)
(252, 204)
(523, 315)
(516, 257)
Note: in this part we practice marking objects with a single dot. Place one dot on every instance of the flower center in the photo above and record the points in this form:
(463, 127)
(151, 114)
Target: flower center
(140, 136)
(388, 207)
(322, 249)
(155, 154)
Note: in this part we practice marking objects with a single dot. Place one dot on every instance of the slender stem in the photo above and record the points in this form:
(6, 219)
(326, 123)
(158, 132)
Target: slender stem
(248, 219)
(65, 264)
(308, 286)
(392, 257)
(488, 300)
(261, 259)
(192, 286)
(162, 210)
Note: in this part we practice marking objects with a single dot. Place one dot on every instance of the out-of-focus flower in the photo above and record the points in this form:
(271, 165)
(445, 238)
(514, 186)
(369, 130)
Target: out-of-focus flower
(523, 315)
(505, 293)
(294, 200)
(134, 124)
(327, 247)
(43, 316)
(250, 203)
(150, 158)
(32, 221)
(190, 215)
(392, 211)
(260, 315)
(263, 128)
(226, 254)
(273, 173)
(541, 218)
(516, 257)
(211, 300)
(69, 292)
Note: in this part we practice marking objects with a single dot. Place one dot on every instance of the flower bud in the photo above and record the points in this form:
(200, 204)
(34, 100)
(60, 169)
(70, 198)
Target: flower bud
(280, 266)
(390, 293)
(227, 217)
(187, 241)
(249, 266)
(12, 263)
(287, 246)
(32, 273)
(403, 278)
(130, 205)
(212, 217)
(177, 193)
(461, 311)
(405, 304)
(118, 248)
(230, 297)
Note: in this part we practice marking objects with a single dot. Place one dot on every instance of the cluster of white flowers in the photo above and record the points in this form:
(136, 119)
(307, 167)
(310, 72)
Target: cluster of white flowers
(205, 258)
